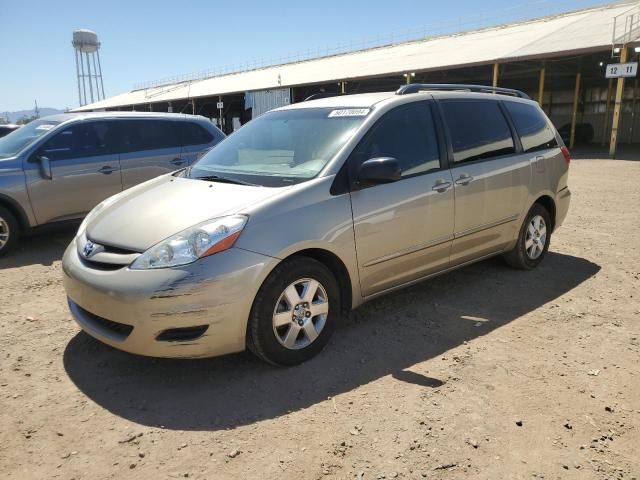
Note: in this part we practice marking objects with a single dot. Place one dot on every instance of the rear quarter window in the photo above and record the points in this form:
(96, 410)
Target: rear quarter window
(478, 129)
(194, 134)
(532, 126)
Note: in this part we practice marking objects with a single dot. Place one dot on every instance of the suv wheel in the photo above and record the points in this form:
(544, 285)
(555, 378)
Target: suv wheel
(533, 241)
(8, 230)
(294, 312)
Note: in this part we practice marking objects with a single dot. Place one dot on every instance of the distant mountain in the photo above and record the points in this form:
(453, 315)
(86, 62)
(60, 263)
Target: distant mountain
(15, 116)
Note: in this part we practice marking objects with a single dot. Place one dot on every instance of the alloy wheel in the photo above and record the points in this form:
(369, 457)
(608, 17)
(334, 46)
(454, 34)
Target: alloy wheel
(300, 314)
(4, 232)
(536, 238)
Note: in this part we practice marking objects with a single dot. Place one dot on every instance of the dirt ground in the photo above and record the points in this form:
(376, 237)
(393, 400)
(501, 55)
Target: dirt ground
(484, 373)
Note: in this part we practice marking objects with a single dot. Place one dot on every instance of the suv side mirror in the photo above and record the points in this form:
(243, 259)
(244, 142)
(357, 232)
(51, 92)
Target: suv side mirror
(45, 166)
(379, 170)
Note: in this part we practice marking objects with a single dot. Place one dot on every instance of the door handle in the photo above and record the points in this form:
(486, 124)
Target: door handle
(441, 186)
(177, 161)
(539, 157)
(464, 179)
(107, 170)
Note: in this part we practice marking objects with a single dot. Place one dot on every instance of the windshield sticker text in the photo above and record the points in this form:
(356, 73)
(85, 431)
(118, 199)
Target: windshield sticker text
(349, 112)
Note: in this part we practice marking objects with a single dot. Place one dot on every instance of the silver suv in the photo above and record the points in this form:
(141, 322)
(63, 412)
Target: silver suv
(60, 167)
(311, 210)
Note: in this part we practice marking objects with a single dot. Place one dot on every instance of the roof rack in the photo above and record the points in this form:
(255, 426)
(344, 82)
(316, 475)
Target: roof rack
(419, 87)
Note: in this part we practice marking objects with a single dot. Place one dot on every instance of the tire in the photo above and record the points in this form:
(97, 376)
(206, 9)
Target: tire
(279, 333)
(532, 240)
(9, 230)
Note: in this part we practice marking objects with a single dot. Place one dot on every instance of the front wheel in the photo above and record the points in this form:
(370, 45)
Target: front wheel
(533, 240)
(294, 312)
(8, 230)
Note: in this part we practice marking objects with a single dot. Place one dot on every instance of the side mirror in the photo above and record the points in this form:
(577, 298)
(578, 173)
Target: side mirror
(379, 170)
(45, 166)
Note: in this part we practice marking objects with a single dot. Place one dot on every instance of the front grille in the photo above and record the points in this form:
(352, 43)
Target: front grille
(119, 330)
(106, 257)
(118, 250)
(100, 265)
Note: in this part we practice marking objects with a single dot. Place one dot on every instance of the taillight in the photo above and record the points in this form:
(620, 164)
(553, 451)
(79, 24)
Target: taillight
(566, 154)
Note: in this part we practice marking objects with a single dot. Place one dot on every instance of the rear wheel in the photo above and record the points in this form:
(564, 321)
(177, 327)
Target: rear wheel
(294, 312)
(533, 240)
(8, 230)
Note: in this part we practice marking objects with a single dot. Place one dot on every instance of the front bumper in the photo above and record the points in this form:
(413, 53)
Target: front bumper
(130, 309)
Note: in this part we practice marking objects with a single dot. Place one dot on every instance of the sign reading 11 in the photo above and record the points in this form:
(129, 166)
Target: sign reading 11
(616, 70)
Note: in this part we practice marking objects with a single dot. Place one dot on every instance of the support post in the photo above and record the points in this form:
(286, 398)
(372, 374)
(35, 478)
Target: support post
(100, 70)
(617, 109)
(343, 87)
(605, 127)
(90, 77)
(78, 75)
(496, 69)
(95, 76)
(84, 85)
(574, 113)
(541, 85)
(633, 110)
(193, 106)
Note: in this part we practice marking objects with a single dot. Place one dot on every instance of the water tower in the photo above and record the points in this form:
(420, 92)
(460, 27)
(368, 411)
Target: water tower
(86, 45)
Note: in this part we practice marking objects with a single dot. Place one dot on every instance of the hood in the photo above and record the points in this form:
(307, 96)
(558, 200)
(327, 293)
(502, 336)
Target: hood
(142, 216)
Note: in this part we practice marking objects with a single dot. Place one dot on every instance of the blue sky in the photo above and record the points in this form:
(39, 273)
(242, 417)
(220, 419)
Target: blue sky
(150, 40)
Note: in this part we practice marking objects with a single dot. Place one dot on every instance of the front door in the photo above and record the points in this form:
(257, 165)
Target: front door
(491, 180)
(403, 230)
(85, 170)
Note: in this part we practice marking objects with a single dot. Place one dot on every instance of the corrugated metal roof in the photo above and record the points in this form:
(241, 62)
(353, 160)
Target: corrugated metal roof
(581, 31)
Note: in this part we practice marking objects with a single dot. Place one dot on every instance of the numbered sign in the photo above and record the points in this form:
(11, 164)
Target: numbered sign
(616, 70)
(220, 105)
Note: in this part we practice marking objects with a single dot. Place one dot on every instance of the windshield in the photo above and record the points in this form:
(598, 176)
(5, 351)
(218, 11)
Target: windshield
(16, 141)
(280, 148)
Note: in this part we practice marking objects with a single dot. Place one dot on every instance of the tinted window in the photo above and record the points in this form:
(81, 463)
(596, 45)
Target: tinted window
(89, 139)
(532, 126)
(478, 129)
(141, 135)
(406, 133)
(194, 134)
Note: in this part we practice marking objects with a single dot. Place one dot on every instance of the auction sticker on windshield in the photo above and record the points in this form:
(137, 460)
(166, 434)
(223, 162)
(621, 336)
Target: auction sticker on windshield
(349, 112)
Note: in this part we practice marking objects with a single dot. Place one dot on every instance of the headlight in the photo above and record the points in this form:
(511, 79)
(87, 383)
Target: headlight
(202, 240)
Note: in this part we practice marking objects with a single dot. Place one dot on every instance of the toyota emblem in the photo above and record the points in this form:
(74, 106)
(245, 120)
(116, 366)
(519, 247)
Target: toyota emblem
(89, 248)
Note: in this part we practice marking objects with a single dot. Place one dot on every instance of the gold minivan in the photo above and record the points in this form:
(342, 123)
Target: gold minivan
(311, 210)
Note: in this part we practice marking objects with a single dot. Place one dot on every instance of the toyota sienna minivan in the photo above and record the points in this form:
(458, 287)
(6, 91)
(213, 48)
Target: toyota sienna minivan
(59, 167)
(309, 211)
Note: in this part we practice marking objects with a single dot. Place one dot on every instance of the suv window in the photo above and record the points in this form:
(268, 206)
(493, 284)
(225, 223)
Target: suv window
(150, 135)
(477, 128)
(88, 139)
(194, 134)
(406, 133)
(532, 126)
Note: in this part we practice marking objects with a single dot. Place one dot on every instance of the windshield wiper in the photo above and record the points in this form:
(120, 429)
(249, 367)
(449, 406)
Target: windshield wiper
(217, 178)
